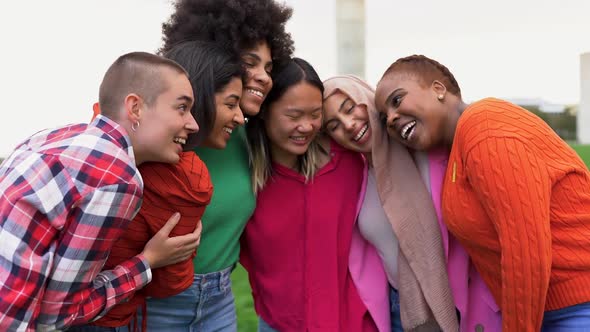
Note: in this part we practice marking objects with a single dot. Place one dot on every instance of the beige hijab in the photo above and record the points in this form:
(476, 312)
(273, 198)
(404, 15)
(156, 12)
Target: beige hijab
(425, 295)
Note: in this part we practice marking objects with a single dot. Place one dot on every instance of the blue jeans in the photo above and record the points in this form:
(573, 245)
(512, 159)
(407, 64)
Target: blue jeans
(264, 327)
(396, 320)
(206, 306)
(574, 318)
(92, 328)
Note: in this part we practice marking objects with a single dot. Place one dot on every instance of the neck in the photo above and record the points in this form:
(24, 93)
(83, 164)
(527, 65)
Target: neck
(284, 158)
(453, 120)
(369, 158)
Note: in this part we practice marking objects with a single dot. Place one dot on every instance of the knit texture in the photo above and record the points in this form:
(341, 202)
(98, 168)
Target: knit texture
(184, 187)
(518, 199)
(297, 244)
(425, 295)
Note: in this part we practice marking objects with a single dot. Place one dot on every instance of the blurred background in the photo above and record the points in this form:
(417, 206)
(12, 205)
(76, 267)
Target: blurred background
(532, 52)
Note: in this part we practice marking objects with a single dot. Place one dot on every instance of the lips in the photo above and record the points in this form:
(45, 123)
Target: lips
(300, 140)
(180, 140)
(361, 133)
(255, 92)
(407, 130)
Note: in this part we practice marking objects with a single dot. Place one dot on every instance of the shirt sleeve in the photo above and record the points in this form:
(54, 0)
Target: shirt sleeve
(77, 290)
(512, 184)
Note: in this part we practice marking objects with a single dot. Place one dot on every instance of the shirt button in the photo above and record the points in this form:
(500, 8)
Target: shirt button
(478, 328)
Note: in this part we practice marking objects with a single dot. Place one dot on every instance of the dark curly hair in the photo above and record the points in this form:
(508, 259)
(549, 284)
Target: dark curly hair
(236, 24)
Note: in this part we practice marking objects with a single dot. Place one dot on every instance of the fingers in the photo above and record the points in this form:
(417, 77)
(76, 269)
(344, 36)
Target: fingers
(192, 239)
(170, 224)
(199, 228)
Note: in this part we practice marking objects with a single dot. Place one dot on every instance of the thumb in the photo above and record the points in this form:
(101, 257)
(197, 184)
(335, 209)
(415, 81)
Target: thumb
(170, 224)
(199, 228)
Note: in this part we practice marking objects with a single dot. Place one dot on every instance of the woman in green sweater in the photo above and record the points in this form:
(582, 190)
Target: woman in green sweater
(255, 31)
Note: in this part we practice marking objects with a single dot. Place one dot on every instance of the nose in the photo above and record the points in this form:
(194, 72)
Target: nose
(192, 126)
(239, 117)
(349, 124)
(305, 127)
(392, 116)
(260, 75)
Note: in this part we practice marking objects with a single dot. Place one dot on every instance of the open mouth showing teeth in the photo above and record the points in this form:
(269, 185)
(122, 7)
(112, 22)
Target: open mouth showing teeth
(256, 93)
(179, 140)
(228, 130)
(299, 138)
(361, 133)
(408, 129)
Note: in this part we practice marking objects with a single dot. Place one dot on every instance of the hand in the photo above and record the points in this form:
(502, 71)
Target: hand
(162, 250)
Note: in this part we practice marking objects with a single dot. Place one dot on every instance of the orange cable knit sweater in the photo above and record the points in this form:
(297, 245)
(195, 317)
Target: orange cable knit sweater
(518, 199)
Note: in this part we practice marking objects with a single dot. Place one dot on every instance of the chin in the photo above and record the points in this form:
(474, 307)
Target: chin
(299, 151)
(251, 108)
(219, 146)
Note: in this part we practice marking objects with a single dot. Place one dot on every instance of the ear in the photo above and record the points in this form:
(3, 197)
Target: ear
(439, 89)
(133, 106)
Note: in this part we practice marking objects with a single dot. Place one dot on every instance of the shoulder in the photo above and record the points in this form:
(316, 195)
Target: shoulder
(190, 175)
(496, 118)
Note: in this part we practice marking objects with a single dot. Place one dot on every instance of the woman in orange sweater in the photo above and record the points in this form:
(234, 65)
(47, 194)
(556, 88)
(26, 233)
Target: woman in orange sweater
(515, 194)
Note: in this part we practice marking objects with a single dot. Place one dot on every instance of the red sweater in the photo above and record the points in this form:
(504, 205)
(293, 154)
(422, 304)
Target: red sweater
(184, 187)
(296, 248)
(518, 199)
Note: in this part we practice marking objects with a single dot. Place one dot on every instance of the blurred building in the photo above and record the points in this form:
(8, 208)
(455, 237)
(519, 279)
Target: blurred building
(350, 36)
(584, 107)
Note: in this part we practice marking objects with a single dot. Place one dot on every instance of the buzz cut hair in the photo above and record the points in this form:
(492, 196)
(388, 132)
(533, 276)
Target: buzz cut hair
(136, 72)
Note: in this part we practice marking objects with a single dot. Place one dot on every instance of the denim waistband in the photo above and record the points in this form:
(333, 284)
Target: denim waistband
(220, 279)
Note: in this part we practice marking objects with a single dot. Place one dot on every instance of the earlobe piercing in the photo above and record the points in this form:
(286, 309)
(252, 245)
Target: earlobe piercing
(441, 97)
(134, 126)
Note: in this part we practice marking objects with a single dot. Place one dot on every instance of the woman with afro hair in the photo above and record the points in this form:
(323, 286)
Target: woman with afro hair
(254, 31)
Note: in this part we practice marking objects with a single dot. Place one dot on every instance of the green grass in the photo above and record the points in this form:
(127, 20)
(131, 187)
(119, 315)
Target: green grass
(583, 151)
(247, 319)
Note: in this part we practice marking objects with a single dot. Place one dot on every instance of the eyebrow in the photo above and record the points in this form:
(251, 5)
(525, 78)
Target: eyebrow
(388, 100)
(342, 105)
(233, 96)
(185, 98)
(255, 56)
(297, 110)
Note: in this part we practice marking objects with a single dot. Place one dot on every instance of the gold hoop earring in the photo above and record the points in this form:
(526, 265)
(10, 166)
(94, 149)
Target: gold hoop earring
(134, 126)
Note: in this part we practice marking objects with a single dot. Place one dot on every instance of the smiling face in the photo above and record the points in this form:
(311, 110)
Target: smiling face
(165, 125)
(414, 114)
(258, 63)
(347, 122)
(293, 121)
(228, 115)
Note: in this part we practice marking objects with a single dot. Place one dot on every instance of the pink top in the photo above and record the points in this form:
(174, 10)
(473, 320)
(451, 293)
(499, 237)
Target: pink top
(297, 244)
(472, 297)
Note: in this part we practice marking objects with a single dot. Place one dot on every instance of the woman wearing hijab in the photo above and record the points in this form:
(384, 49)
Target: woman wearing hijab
(420, 258)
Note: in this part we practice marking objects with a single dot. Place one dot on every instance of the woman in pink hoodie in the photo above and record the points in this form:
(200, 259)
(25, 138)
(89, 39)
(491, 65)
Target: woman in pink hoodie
(301, 247)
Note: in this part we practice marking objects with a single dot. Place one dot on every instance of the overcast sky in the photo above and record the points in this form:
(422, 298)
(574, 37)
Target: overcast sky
(55, 52)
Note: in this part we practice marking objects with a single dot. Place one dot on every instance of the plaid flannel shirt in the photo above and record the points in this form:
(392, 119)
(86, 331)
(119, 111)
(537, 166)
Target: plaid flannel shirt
(66, 196)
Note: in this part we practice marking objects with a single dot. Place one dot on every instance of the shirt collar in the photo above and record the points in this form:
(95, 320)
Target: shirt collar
(116, 131)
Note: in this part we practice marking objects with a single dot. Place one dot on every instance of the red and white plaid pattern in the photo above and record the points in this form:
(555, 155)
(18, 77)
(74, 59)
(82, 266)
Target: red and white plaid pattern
(66, 196)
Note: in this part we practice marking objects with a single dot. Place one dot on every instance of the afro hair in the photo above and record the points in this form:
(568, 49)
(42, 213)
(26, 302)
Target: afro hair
(238, 25)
